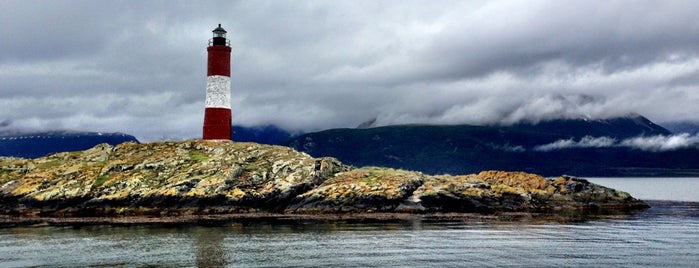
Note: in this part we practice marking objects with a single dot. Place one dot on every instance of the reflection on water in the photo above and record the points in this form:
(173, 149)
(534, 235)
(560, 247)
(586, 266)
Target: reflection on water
(664, 235)
(210, 251)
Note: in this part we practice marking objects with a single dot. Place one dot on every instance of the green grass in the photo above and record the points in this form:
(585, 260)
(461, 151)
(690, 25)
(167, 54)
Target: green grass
(49, 164)
(371, 180)
(250, 167)
(198, 156)
(99, 181)
(4, 175)
(375, 176)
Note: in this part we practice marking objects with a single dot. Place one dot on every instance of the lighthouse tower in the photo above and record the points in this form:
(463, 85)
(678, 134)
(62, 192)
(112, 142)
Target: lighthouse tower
(217, 116)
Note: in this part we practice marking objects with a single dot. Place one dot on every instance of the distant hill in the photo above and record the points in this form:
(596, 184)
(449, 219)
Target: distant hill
(551, 148)
(620, 127)
(32, 145)
(265, 134)
(456, 149)
(682, 127)
(37, 144)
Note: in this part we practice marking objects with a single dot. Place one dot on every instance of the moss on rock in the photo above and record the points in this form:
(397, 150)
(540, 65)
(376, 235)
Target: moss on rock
(202, 177)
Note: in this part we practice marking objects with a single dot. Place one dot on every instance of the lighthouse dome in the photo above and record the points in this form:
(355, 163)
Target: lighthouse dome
(219, 31)
(219, 37)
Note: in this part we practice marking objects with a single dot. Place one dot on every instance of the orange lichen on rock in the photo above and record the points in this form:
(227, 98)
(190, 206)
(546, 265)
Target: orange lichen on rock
(232, 177)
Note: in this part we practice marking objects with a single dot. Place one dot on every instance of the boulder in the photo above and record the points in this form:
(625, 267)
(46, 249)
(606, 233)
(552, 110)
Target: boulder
(360, 190)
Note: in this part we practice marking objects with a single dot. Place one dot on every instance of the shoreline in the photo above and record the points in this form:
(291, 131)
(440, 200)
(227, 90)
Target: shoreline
(210, 182)
(7, 221)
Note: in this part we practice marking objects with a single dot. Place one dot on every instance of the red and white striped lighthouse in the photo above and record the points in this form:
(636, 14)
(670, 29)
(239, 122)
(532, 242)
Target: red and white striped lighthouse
(217, 116)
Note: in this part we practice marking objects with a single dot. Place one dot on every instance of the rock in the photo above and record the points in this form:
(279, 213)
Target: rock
(212, 177)
(486, 192)
(163, 175)
(360, 190)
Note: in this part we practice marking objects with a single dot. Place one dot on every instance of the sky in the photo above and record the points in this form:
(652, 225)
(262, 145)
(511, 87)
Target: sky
(139, 67)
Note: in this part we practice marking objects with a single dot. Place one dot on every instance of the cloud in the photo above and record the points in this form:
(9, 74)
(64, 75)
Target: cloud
(585, 142)
(657, 143)
(662, 143)
(308, 65)
(507, 147)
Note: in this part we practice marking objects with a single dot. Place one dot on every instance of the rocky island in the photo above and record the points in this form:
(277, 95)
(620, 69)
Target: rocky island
(195, 178)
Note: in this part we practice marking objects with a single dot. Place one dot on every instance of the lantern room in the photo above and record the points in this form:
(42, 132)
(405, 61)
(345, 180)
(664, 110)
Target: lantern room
(219, 37)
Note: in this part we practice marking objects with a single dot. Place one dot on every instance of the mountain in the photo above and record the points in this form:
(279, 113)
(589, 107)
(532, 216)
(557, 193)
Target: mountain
(682, 127)
(32, 145)
(619, 128)
(265, 134)
(458, 149)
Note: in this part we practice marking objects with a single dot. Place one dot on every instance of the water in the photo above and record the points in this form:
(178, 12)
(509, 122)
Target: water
(665, 235)
(677, 189)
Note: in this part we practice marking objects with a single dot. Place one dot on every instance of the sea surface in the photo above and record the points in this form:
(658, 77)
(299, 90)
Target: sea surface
(666, 235)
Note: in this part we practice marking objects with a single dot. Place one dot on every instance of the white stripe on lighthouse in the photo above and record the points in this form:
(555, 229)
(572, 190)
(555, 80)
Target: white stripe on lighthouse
(218, 91)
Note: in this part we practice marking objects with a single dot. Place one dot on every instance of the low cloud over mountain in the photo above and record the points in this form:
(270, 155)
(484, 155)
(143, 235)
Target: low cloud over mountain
(657, 143)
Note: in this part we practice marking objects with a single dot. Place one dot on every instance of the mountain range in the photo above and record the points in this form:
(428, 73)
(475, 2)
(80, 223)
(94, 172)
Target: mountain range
(682, 127)
(576, 147)
(37, 144)
(624, 146)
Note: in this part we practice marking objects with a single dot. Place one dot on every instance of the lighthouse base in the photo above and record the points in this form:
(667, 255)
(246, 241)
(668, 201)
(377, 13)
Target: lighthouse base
(217, 124)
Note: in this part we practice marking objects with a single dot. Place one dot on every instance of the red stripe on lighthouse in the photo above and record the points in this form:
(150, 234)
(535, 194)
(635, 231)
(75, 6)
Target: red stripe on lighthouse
(217, 124)
(219, 61)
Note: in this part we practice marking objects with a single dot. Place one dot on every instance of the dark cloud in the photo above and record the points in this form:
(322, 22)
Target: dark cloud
(140, 67)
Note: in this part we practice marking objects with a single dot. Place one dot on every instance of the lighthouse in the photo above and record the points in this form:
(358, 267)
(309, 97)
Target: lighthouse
(217, 115)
